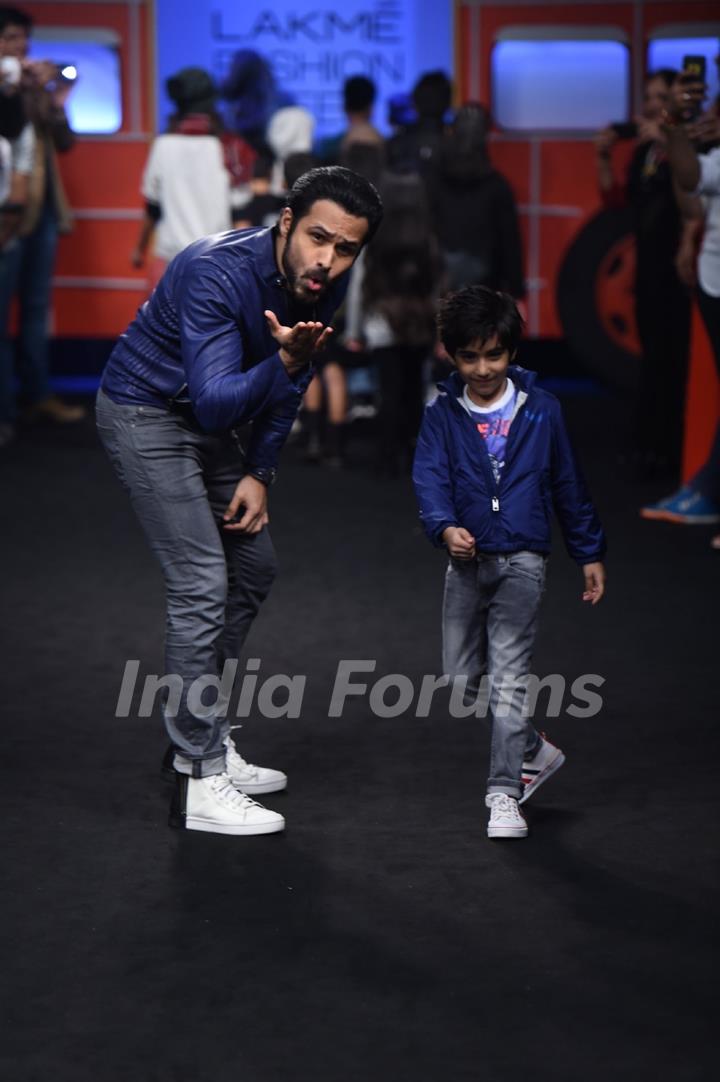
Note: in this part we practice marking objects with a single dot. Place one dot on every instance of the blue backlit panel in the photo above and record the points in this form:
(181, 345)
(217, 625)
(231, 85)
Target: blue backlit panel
(669, 53)
(95, 103)
(312, 46)
(559, 85)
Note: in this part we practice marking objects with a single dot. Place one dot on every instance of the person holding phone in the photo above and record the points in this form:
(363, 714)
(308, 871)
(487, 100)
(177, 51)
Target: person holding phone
(662, 303)
(697, 174)
(226, 339)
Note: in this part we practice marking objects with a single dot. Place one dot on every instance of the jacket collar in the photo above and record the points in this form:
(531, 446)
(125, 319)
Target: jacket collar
(263, 241)
(523, 378)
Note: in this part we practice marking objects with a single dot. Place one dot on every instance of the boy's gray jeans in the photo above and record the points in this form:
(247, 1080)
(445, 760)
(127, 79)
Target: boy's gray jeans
(180, 481)
(490, 617)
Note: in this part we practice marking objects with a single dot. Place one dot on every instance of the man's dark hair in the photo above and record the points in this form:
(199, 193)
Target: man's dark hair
(358, 93)
(668, 76)
(477, 313)
(432, 95)
(353, 193)
(15, 17)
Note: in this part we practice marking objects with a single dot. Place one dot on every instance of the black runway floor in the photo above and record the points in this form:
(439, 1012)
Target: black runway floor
(382, 936)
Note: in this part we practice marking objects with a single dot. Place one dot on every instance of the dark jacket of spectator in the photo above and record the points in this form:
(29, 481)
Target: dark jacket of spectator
(473, 210)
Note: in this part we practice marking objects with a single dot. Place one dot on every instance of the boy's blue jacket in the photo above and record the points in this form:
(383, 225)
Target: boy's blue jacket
(455, 485)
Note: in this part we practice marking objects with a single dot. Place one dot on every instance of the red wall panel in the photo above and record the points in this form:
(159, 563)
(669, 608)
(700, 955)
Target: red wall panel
(89, 313)
(513, 161)
(103, 173)
(99, 249)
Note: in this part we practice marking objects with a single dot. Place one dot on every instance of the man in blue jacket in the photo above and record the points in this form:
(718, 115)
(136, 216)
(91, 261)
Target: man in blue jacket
(493, 459)
(226, 339)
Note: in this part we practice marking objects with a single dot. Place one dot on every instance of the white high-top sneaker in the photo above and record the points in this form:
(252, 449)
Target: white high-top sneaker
(249, 778)
(213, 804)
(506, 819)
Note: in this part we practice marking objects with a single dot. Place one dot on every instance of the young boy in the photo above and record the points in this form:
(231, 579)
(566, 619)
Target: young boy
(493, 459)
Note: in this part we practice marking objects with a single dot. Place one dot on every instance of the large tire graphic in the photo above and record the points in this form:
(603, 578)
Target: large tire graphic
(595, 299)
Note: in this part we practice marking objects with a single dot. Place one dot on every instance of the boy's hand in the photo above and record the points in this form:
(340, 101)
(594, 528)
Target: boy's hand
(594, 582)
(459, 542)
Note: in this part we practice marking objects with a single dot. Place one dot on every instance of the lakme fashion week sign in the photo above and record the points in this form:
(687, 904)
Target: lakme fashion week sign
(313, 47)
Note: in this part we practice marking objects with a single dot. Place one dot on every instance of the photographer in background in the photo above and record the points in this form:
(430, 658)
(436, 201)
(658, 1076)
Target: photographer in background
(13, 126)
(697, 174)
(662, 302)
(12, 108)
(26, 266)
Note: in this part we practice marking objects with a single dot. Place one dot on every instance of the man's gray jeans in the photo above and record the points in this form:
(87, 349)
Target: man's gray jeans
(490, 617)
(180, 481)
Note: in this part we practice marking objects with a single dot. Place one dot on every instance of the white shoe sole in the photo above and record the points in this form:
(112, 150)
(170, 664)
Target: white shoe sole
(507, 832)
(211, 826)
(543, 776)
(258, 788)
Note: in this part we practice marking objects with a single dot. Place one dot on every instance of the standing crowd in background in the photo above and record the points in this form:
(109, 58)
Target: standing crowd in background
(672, 187)
(233, 150)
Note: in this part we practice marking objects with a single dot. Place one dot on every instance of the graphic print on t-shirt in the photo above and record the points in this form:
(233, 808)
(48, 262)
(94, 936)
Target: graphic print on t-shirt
(493, 425)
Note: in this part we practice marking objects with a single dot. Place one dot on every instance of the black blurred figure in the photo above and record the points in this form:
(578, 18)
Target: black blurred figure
(662, 302)
(473, 209)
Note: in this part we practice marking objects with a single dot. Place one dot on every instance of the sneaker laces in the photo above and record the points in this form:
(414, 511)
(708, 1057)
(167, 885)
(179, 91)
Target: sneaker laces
(224, 789)
(235, 760)
(505, 805)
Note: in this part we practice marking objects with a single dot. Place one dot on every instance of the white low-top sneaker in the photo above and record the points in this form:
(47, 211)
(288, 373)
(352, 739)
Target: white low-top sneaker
(506, 819)
(535, 771)
(213, 804)
(249, 778)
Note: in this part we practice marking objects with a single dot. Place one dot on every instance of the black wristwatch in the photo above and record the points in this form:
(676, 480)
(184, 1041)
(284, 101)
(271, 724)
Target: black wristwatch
(265, 474)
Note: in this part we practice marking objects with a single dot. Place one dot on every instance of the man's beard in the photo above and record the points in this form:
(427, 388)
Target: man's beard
(294, 279)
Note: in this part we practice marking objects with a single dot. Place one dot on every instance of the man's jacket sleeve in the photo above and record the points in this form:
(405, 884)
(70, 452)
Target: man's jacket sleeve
(583, 534)
(222, 395)
(270, 430)
(431, 477)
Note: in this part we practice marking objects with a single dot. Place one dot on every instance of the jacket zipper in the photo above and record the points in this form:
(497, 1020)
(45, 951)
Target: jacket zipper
(485, 460)
(484, 455)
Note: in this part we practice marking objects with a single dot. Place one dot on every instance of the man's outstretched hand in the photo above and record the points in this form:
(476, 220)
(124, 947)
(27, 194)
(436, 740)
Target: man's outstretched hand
(299, 343)
(252, 495)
